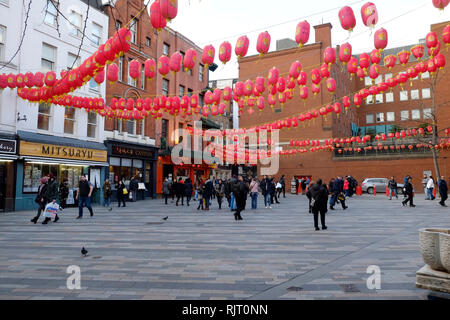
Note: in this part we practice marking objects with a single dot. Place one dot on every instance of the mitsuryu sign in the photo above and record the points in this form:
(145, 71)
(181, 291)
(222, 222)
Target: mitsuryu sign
(65, 152)
(219, 152)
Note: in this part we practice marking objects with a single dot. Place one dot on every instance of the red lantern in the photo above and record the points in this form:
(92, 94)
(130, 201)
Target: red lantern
(347, 18)
(169, 9)
(163, 65)
(337, 108)
(324, 71)
(294, 71)
(374, 71)
(329, 56)
(315, 88)
(346, 102)
(38, 79)
(135, 69)
(375, 56)
(446, 35)
(273, 76)
(364, 61)
(389, 61)
(112, 73)
(360, 73)
(381, 39)
(357, 100)
(189, 59)
(130, 104)
(302, 33)
(157, 20)
(431, 66)
(435, 50)
(261, 103)
(302, 78)
(441, 4)
(150, 68)
(345, 53)
(263, 44)
(100, 77)
(352, 66)
(208, 55)
(194, 101)
(304, 92)
(175, 62)
(403, 57)
(331, 85)
(260, 84)
(417, 51)
(50, 79)
(369, 14)
(242, 45)
(225, 52)
(432, 40)
(439, 60)
(315, 76)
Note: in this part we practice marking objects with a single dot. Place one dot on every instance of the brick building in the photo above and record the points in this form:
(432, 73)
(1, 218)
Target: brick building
(142, 148)
(407, 106)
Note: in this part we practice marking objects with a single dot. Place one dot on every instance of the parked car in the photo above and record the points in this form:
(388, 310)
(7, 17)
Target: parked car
(380, 184)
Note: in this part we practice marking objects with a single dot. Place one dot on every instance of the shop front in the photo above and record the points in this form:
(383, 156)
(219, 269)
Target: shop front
(65, 158)
(129, 161)
(8, 160)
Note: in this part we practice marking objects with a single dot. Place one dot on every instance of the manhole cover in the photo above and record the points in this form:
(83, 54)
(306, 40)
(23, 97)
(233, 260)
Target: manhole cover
(349, 288)
(295, 289)
(98, 257)
(154, 223)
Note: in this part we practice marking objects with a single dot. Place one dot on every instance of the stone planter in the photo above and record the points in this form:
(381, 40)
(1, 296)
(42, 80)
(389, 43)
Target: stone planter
(444, 247)
(430, 247)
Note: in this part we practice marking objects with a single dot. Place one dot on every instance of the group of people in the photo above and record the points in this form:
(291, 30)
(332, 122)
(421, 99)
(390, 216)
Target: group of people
(429, 184)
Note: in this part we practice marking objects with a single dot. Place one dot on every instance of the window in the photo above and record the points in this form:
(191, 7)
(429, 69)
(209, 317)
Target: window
(200, 73)
(143, 77)
(390, 116)
(414, 94)
(181, 91)
(403, 95)
(69, 120)
(426, 75)
(165, 87)
(426, 93)
(92, 124)
(118, 24)
(427, 113)
(201, 99)
(380, 117)
(75, 23)
(166, 49)
(190, 92)
(148, 42)
(404, 115)
(164, 128)
(182, 60)
(131, 81)
(369, 99)
(96, 34)
(369, 118)
(379, 98)
(51, 13)
(390, 97)
(415, 114)
(94, 85)
(48, 57)
(130, 127)
(379, 79)
(73, 61)
(2, 42)
(120, 69)
(44, 116)
(387, 76)
(367, 81)
(133, 29)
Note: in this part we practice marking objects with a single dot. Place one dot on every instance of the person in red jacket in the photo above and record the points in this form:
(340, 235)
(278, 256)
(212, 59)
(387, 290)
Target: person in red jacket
(346, 187)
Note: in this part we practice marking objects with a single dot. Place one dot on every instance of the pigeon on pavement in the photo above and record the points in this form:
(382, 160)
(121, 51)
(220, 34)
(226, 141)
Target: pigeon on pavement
(84, 252)
(165, 218)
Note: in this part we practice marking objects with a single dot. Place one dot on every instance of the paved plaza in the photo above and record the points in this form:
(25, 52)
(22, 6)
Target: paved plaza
(272, 254)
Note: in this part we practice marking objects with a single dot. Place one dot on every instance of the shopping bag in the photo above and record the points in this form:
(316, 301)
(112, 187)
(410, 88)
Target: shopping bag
(51, 210)
(125, 191)
(131, 195)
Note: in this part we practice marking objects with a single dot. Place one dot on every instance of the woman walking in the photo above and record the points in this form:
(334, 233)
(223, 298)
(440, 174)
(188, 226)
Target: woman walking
(122, 192)
(107, 192)
(254, 190)
(188, 190)
(40, 199)
(166, 190)
(220, 192)
(64, 192)
(430, 188)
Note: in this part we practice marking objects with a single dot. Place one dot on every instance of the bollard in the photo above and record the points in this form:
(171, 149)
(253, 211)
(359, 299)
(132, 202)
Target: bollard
(374, 191)
(387, 192)
(359, 191)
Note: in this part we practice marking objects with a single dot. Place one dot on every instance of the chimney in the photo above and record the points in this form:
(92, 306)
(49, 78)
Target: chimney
(323, 34)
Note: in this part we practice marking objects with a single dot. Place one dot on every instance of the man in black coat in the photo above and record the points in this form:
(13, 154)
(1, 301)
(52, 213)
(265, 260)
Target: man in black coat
(319, 204)
(180, 191)
(188, 189)
(283, 185)
(443, 191)
(240, 190)
(209, 189)
(409, 193)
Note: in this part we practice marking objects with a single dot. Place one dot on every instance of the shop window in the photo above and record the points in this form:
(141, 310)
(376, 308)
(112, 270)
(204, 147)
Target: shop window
(427, 113)
(165, 87)
(75, 23)
(404, 115)
(2, 42)
(48, 59)
(390, 97)
(92, 125)
(51, 13)
(96, 35)
(415, 114)
(69, 120)
(369, 118)
(390, 116)
(426, 93)
(414, 94)
(126, 172)
(403, 95)
(44, 116)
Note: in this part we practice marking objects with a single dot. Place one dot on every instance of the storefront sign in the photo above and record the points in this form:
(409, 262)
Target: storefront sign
(133, 153)
(8, 146)
(62, 152)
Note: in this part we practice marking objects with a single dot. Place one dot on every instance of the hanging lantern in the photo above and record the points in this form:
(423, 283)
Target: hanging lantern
(261, 103)
(364, 61)
(439, 60)
(435, 50)
(403, 57)
(156, 18)
(337, 108)
(38, 79)
(431, 66)
(446, 35)
(357, 100)
(324, 71)
(369, 14)
(130, 104)
(331, 85)
(441, 4)
(260, 84)
(417, 51)
(345, 53)
(28, 79)
(302, 78)
(263, 44)
(304, 92)
(112, 73)
(225, 52)
(150, 68)
(375, 56)
(360, 73)
(346, 102)
(194, 101)
(50, 79)
(347, 18)
(294, 71)
(329, 56)
(135, 69)
(273, 76)
(241, 48)
(315, 76)
(302, 33)
(381, 39)
(374, 72)
(163, 65)
(175, 62)
(352, 66)
(227, 94)
(169, 9)
(100, 77)
(208, 56)
(431, 40)
(315, 88)
(190, 59)
(389, 61)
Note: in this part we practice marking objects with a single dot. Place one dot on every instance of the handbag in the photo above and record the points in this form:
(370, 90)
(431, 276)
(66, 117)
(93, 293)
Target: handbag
(125, 191)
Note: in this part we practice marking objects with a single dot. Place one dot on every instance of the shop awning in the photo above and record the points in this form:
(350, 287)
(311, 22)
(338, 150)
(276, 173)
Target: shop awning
(65, 161)
(8, 157)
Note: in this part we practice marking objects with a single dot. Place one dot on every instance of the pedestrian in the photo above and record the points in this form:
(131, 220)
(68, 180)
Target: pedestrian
(188, 189)
(392, 186)
(40, 199)
(319, 204)
(134, 186)
(64, 192)
(51, 211)
(122, 193)
(200, 198)
(297, 184)
(173, 188)
(279, 189)
(227, 190)
(233, 198)
(52, 189)
(283, 185)
(310, 197)
(208, 192)
(84, 194)
(425, 183)
(341, 199)
(240, 190)
(107, 193)
(254, 191)
(272, 190)
(220, 192)
(443, 191)
(265, 191)
(430, 188)
(196, 186)
(409, 191)
(346, 187)
(166, 190)
(337, 188)
(180, 191)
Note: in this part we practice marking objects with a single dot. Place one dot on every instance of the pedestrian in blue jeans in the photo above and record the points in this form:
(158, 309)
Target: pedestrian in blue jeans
(254, 189)
(84, 194)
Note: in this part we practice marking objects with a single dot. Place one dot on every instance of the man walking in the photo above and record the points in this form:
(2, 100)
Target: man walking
(319, 203)
(443, 191)
(283, 185)
(409, 191)
(424, 183)
(208, 192)
(392, 186)
(166, 190)
(240, 190)
(84, 194)
(430, 188)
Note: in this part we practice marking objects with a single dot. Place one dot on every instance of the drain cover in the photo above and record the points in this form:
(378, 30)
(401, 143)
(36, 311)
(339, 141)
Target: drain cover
(154, 223)
(295, 289)
(98, 257)
(349, 288)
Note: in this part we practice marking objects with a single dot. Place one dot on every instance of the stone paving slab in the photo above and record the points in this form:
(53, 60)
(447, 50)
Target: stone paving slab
(272, 254)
